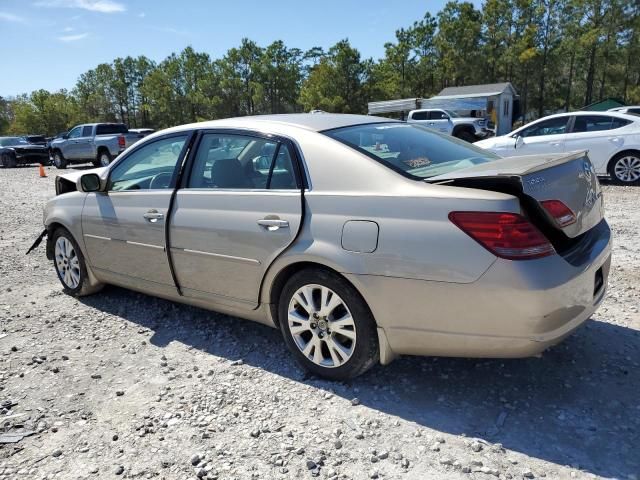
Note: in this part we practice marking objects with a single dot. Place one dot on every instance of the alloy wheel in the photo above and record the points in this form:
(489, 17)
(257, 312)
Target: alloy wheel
(322, 326)
(67, 263)
(627, 169)
(104, 160)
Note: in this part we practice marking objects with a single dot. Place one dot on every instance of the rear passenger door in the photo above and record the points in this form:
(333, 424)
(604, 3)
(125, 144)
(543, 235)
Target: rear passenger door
(239, 207)
(600, 135)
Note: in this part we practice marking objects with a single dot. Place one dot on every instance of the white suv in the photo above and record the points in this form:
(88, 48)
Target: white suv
(611, 138)
(446, 121)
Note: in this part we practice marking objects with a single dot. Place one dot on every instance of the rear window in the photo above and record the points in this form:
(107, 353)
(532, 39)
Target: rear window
(111, 129)
(411, 149)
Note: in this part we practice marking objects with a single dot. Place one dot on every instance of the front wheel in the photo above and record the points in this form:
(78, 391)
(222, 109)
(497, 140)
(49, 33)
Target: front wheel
(624, 169)
(327, 325)
(59, 161)
(9, 161)
(70, 265)
(465, 135)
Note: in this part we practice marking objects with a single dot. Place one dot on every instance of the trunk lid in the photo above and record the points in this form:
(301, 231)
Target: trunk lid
(569, 178)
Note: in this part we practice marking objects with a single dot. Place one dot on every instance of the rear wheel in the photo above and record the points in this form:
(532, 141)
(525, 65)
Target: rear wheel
(624, 168)
(70, 265)
(59, 161)
(327, 325)
(103, 160)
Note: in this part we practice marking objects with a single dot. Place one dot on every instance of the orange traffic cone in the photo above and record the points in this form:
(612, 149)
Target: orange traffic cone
(42, 172)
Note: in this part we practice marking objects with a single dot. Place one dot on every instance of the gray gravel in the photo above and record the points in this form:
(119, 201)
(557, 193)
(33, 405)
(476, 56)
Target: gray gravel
(123, 385)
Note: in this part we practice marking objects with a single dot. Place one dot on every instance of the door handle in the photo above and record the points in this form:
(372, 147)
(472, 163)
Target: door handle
(556, 144)
(153, 216)
(273, 224)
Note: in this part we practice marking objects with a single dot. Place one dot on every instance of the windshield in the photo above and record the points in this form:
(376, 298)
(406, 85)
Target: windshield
(411, 149)
(7, 141)
(452, 114)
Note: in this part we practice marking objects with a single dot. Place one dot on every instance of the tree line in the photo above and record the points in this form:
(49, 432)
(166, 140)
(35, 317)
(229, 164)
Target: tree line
(559, 55)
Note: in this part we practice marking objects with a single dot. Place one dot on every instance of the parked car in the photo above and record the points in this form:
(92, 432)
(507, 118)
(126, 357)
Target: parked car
(632, 110)
(98, 143)
(143, 131)
(445, 121)
(422, 245)
(612, 140)
(16, 151)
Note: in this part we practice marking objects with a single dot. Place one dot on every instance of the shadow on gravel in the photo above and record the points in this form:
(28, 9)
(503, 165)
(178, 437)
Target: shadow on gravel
(578, 405)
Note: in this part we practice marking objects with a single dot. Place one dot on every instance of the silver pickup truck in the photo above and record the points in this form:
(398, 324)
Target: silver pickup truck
(98, 143)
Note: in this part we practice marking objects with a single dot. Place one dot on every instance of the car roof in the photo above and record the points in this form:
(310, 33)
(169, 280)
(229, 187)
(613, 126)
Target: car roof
(316, 122)
(583, 113)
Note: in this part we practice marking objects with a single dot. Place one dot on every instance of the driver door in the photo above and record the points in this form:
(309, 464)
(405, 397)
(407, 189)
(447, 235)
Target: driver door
(124, 227)
(439, 121)
(70, 146)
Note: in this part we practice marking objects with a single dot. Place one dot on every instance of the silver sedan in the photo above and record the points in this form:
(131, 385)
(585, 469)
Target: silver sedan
(360, 238)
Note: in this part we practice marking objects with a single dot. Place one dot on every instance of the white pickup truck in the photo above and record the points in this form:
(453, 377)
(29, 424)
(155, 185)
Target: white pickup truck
(98, 143)
(445, 121)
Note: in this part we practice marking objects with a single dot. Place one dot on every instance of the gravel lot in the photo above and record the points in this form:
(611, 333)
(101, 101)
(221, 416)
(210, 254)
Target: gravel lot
(123, 385)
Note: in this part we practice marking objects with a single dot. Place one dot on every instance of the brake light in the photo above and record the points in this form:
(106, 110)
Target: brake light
(560, 212)
(506, 235)
(121, 142)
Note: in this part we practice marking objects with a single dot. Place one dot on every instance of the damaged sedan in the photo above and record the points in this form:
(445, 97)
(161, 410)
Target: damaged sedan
(16, 151)
(360, 238)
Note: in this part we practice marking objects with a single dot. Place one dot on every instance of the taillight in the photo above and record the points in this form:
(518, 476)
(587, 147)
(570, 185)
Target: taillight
(560, 212)
(507, 235)
(121, 142)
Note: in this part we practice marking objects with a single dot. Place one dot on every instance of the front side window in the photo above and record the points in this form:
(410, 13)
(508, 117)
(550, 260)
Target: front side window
(150, 167)
(411, 149)
(419, 115)
(75, 133)
(553, 126)
(438, 115)
(241, 162)
(597, 123)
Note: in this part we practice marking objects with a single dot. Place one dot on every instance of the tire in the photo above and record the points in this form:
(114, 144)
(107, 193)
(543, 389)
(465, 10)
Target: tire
(103, 160)
(59, 161)
(624, 168)
(347, 350)
(8, 161)
(70, 266)
(465, 135)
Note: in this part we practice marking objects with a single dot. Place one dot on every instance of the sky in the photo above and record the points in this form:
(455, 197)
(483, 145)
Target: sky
(49, 43)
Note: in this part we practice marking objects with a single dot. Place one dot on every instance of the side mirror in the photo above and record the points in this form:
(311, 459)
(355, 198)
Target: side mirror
(65, 136)
(90, 182)
(519, 142)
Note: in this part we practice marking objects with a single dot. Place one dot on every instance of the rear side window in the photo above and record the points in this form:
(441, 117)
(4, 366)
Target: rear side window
(597, 123)
(419, 115)
(111, 129)
(634, 111)
(86, 131)
(438, 115)
(242, 162)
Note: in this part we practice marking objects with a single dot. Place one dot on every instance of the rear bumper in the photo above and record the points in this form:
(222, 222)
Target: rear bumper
(516, 309)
